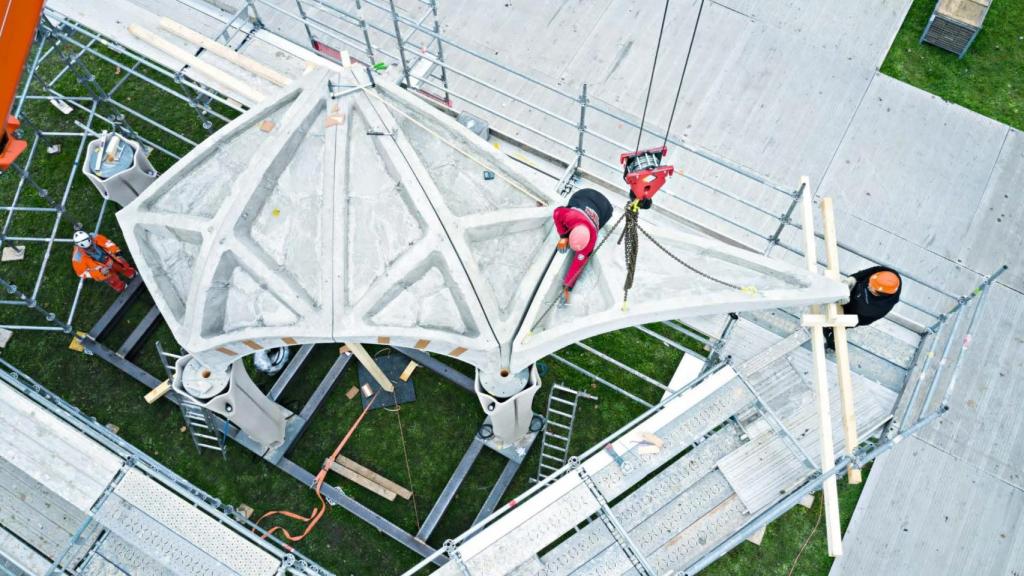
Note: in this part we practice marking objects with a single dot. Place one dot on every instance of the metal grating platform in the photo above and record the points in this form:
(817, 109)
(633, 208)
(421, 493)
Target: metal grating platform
(178, 535)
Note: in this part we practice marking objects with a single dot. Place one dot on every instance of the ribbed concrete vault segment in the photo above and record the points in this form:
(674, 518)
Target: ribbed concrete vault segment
(366, 218)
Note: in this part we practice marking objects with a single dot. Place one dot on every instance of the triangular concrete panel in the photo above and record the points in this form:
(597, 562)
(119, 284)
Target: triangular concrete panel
(381, 217)
(174, 253)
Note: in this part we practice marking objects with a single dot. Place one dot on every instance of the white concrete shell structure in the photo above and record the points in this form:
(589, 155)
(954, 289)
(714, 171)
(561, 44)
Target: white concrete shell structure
(366, 218)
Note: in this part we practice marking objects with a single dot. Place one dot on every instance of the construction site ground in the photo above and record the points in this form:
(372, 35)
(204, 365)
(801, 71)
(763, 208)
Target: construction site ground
(978, 441)
(435, 433)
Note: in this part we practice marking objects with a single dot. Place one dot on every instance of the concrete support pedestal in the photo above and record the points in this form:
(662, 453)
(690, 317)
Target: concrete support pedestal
(118, 168)
(233, 395)
(508, 403)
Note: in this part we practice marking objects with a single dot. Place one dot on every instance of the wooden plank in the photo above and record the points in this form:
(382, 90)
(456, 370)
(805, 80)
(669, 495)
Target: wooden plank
(224, 52)
(687, 371)
(358, 468)
(757, 537)
(158, 392)
(360, 511)
(210, 72)
(833, 529)
(407, 373)
(970, 12)
(842, 346)
(371, 366)
(363, 481)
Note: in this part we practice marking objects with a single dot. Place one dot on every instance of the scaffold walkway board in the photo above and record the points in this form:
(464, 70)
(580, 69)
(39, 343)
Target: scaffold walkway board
(567, 502)
(66, 497)
(685, 490)
(52, 453)
(704, 497)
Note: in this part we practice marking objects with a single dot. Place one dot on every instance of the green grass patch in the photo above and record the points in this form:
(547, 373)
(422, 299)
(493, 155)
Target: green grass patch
(990, 77)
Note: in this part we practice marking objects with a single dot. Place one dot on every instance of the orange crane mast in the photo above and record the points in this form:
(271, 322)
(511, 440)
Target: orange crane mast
(18, 21)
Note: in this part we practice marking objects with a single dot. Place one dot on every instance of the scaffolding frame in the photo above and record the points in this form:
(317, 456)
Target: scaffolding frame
(61, 38)
(426, 72)
(291, 560)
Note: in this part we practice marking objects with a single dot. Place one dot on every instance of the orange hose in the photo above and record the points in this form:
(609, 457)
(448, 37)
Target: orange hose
(318, 511)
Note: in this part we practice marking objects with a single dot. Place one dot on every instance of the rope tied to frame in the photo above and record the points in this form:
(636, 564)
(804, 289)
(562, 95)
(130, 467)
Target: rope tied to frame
(318, 511)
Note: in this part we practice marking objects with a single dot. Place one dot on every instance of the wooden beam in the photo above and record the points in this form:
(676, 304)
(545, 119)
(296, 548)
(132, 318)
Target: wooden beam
(240, 60)
(833, 529)
(823, 320)
(358, 468)
(209, 71)
(842, 346)
(158, 392)
(363, 481)
(371, 366)
(407, 373)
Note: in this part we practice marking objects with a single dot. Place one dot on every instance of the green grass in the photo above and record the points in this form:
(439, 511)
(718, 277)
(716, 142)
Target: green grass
(436, 428)
(988, 80)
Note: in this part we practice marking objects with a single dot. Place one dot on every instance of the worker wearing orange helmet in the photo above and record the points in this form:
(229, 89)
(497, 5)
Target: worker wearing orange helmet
(95, 257)
(577, 224)
(873, 294)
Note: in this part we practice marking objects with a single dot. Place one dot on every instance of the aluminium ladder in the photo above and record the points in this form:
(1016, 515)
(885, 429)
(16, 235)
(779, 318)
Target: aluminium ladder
(200, 423)
(558, 424)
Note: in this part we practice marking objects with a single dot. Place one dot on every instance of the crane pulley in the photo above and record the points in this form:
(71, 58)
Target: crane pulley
(645, 174)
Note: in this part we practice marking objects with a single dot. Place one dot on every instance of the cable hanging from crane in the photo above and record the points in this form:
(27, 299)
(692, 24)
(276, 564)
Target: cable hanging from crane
(644, 172)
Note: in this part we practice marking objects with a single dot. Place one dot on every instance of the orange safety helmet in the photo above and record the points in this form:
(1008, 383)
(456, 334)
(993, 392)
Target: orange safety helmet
(884, 282)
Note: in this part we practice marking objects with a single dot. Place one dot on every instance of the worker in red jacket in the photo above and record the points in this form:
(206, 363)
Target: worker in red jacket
(95, 257)
(577, 224)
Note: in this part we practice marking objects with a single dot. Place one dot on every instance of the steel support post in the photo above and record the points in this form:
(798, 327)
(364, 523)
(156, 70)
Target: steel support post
(401, 45)
(785, 219)
(366, 33)
(440, 53)
(305, 24)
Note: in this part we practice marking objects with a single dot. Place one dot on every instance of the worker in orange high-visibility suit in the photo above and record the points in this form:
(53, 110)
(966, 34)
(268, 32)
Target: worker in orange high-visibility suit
(95, 257)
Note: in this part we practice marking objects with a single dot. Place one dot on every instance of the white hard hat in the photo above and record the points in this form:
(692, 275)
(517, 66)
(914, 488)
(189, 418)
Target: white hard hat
(82, 239)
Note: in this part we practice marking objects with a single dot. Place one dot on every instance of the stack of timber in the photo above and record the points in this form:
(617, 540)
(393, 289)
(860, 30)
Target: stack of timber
(372, 481)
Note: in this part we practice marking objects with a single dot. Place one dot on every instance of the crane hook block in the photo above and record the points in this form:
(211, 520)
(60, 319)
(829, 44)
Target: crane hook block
(644, 173)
